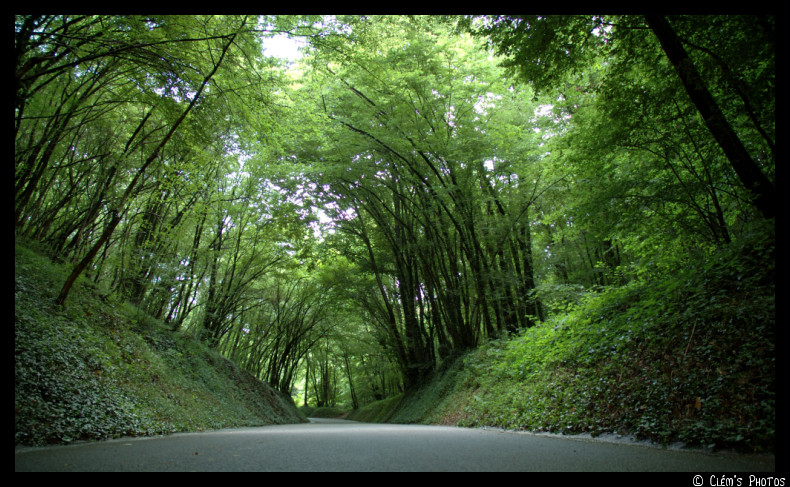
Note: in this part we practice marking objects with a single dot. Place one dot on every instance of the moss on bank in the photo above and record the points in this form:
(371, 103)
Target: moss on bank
(97, 369)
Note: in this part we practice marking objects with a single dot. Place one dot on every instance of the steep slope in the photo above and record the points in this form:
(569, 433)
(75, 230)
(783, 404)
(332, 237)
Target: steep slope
(99, 369)
(684, 358)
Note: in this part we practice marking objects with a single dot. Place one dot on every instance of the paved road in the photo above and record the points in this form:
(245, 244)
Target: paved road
(337, 445)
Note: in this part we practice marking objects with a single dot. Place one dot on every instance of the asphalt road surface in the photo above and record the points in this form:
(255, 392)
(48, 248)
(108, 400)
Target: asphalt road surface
(337, 445)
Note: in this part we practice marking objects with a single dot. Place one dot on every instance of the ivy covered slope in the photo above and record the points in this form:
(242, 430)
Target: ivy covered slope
(97, 370)
(688, 358)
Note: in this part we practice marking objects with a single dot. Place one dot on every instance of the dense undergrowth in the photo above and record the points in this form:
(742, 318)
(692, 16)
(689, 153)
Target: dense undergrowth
(97, 369)
(688, 357)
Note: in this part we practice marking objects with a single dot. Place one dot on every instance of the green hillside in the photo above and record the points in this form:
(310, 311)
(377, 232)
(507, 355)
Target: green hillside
(684, 359)
(99, 369)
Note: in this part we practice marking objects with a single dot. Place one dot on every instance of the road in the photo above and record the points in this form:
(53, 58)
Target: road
(338, 445)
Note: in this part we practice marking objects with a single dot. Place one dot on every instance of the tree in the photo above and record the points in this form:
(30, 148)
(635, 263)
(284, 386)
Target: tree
(545, 50)
(410, 188)
(117, 212)
(748, 171)
(410, 109)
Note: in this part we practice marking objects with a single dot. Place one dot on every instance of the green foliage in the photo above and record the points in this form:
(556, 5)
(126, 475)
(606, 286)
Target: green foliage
(377, 411)
(429, 403)
(349, 222)
(689, 357)
(323, 412)
(94, 371)
(544, 49)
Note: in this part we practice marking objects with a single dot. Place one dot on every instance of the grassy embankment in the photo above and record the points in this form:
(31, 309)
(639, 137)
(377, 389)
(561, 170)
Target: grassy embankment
(97, 370)
(688, 358)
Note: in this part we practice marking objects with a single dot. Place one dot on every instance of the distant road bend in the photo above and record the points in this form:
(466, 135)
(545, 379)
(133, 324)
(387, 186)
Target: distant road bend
(338, 445)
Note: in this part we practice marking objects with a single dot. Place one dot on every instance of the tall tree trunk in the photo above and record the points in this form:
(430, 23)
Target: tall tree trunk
(118, 212)
(354, 400)
(747, 170)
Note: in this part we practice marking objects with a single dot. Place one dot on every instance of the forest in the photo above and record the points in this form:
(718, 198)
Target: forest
(346, 222)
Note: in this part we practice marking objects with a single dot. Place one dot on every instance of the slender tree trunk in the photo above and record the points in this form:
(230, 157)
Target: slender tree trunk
(306, 379)
(181, 304)
(118, 212)
(354, 400)
(747, 170)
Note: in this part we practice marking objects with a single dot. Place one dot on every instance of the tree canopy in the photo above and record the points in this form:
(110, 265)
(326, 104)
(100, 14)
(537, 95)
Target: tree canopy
(411, 187)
